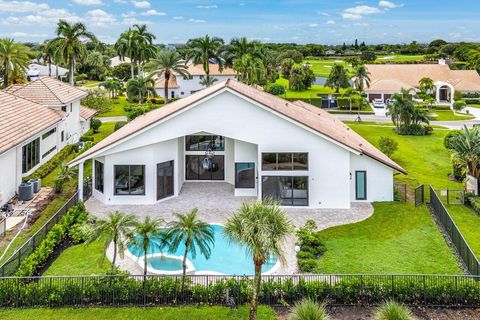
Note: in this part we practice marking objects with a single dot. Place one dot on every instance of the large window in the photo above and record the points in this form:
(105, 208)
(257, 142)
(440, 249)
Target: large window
(204, 143)
(361, 185)
(284, 161)
(244, 175)
(165, 179)
(99, 176)
(30, 155)
(287, 190)
(48, 133)
(129, 180)
(199, 167)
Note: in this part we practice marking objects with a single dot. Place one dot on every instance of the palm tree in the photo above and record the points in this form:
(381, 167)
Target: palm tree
(262, 227)
(140, 87)
(65, 173)
(202, 50)
(166, 64)
(126, 46)
(338, 78)
(239, 47)
(113, 85)
(193, 234)
(70, 43)
(307, 309)
(48, 55)
(148, 235)
(13, 58)
(466, 147)
(250, 69)
(362, 78)
(403, 110)
(117, 228)
(207, 82)
(426, 85)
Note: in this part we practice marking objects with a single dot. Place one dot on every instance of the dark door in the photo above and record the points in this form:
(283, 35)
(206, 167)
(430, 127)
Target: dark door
(196, 168)
(443, 94)
(164, 179)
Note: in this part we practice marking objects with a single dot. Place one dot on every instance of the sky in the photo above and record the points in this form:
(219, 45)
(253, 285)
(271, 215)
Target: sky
(301, 21)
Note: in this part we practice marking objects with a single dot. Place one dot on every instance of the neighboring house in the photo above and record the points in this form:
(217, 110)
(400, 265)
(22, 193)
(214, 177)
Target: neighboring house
(330, 52)
(185, 86)
(36, 71)
(37, 120)
(263, 145)
(115, 61)
(388, 79)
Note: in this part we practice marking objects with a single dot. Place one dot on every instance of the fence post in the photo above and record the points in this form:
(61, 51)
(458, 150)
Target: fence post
(448, 196)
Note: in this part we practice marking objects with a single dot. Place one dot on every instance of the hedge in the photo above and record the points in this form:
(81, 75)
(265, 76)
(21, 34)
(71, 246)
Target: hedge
(86, 138)
(58, 233)
(45, 169)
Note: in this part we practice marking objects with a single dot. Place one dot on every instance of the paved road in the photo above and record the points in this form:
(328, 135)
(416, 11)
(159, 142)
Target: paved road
(113, 119)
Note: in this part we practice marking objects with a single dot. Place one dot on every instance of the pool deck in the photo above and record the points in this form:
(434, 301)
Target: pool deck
(215, 203)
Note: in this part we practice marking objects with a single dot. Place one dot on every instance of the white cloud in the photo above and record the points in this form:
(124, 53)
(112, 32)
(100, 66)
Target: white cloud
(389, 5)
(47, 17)
(141, 4)
(330, 22)
(120, 1)
(130, 21)
(153, 12)
(214, 6)
(178, 18)
(350, 16)
(100, 18)
(29, 35)
(196, 20)
(88, 2)
(313, 25)
(362, 10)
(325, 14)
(361, 24)
(22, 6)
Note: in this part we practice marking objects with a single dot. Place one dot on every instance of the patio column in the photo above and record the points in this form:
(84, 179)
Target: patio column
(437, 93)
(80, 181)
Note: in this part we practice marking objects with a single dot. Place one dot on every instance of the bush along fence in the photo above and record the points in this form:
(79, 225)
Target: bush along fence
(125, 290)
(462, 247)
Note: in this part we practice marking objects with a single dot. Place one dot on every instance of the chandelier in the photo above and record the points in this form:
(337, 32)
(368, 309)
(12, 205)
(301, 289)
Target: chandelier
(209, 154)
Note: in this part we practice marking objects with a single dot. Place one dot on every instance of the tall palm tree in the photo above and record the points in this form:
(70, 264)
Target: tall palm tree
(250, 69)
(48, 55)
(126, 46)
(166, 64)
(148, 236)
(193, 234)
(402, 109)
(239, 47)
(362, 78)
(117, 228)
(262, 227)
(140, 88)
(113, 85)
(13, 58)
(70, 42)
(202, 50)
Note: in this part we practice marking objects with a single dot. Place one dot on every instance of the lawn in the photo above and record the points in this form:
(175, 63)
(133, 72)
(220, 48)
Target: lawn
(117, 108)
(154, 313)
(322, 68)
(90, 84)
(469, 224)
(399, 238)
(447, 115)
(425, 158)
(400, 58)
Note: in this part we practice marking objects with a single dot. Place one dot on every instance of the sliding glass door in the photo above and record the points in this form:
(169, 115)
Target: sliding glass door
(165, 180)
(198, 167)
(287, 190)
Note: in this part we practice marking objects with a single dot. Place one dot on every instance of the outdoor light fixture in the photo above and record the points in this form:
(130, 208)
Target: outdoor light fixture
(209, 154)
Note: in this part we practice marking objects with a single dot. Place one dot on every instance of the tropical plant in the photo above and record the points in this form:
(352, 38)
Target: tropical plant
(65, 173)
(113, 85)
(387, 145)
(97, 99)
(207, 82)
(250, 69)
(368, 56)
(239, 47)
(287, 65)
(48, 55)
(117, 228)
(403, 111)
(13, 58)
(459, 105)
(147, 236)
(261, 227)
(466, 147)
(167, 64)
(301, 78)
(391, 310)
(307, 309)
(70, 43)
(193, 234)
(362, 78)
(426, 85)
(95, 124)
(202, 50)
(140, 87)
(338, 78)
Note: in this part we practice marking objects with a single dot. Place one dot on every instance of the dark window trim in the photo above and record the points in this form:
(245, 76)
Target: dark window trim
(291, 177)
(129, 174)
(49, 151)
(49, 133)
(292, 157)
(364, 185)
(99, 183)
(236, 175)
(212, 137)
(30, 155)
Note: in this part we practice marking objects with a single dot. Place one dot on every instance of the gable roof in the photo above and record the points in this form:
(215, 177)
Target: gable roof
(197, 70)
(22, 119)
(48, 92)
(307, 115)
(393, 77)
(86, 113)
(172, 82)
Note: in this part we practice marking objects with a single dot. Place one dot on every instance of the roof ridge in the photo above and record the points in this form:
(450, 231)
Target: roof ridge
(56, 96)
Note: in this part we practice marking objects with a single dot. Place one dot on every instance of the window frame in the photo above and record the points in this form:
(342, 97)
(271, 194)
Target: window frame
(49, 133)
(292, 198)
(99, 183)
(365, 197)
(31, 155)
(236, 175)
(292, 157)
(129, 175)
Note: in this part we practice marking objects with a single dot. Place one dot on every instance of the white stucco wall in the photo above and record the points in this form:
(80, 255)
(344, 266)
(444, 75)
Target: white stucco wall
(8, 175)
(188, 86)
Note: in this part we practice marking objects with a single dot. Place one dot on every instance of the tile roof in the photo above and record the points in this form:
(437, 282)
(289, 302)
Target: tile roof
(48, 92)
(392, 77)
(303, 113)
(86, 113)
(21, 119)
(172, 82)
(197, 70)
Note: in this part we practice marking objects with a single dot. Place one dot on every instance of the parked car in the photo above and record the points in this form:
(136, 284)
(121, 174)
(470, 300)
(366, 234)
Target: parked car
(378, 103)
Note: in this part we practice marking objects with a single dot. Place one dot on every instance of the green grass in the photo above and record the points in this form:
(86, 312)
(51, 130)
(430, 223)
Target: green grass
(313, 92)
(117, 108)
(469, 224)
(155, 313)
(398, 238)
(400, 58)
(322, 68)
(425, 158)
(90, 84)
(447, 115)
(476, 106)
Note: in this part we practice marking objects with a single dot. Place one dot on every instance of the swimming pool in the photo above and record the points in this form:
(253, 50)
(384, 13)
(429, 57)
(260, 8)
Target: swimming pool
(226, 259)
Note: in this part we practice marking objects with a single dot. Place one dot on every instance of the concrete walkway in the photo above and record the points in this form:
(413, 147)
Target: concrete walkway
(113, 119)
(216, 202)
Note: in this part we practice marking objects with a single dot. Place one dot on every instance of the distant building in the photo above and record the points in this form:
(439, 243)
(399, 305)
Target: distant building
(115, 61)
(35, 71)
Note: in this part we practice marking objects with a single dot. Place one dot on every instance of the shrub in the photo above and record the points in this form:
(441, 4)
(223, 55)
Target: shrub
(119, 124)
(459, 105)
(157, 101)
(311, 247)
(98, 99)
(308, 309)
(473, 201)
(64, 174)
(449, 138)
(390, 310)
(472, 101)
(413, 130)
(45, 169)
(86, 138)
(368, 56)
(30, 265)
(276, 89)
(95, 124)
(138, 110)
(122, 71)
(457, 96)
(388, 146)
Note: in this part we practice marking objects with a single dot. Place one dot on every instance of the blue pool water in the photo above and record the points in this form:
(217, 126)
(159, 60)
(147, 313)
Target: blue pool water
(226, 258)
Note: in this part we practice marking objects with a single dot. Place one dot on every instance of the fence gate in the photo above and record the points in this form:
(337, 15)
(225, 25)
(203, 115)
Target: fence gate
(455, 196)
(419, 195)
(87, 189)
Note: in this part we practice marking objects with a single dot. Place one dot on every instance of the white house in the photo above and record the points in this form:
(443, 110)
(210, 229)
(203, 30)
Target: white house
(230, 132)
(180, 87)
(36, 71)
(37, 120)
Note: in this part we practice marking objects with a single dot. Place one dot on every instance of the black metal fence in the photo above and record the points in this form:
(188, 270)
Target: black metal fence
(126, 290)
(9, 267)
(419, 195)
(400, 192)
(454, 234)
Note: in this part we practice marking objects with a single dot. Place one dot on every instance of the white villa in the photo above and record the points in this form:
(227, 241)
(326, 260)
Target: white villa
(232, 133)
(388, 79)
(37, 120)
(180, 87)
(36, 71)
